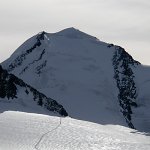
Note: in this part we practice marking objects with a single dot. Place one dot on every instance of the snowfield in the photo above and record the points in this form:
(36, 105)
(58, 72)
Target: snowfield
(28, 131)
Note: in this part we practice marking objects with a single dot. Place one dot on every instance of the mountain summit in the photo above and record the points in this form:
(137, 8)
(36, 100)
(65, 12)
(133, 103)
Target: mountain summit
(93, 80)
(74, 33)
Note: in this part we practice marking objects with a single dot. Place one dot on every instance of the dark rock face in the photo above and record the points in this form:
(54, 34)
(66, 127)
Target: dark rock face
(9, 84)
(34, 61)
(124, 76)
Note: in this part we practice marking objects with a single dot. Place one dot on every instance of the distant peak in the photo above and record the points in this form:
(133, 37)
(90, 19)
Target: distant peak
(71, 29)
(73, 33)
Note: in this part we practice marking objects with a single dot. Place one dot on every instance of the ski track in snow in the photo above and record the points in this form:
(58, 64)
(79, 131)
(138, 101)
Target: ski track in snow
(25, 131)
(42, 137)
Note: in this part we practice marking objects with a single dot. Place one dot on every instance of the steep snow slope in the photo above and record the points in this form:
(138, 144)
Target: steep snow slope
(93, 80)
(24, 131)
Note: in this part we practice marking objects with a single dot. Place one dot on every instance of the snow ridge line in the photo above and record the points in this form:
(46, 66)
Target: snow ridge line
(41, 138)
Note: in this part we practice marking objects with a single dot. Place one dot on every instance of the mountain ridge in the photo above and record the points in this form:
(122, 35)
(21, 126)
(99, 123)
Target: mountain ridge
(10, 87)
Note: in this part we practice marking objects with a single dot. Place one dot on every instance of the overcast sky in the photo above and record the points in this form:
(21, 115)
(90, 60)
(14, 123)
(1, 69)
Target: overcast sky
(122, 22)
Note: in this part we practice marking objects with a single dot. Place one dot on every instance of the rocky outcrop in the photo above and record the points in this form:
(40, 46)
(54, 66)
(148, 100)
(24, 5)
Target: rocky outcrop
(34, 61)
(10, 85)
(123, 64)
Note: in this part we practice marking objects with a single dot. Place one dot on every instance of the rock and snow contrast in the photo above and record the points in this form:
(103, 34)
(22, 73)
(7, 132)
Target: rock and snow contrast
(92, 80)
(19, 96)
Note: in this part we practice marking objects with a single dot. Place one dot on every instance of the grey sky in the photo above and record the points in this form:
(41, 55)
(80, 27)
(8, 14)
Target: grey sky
(122, 22)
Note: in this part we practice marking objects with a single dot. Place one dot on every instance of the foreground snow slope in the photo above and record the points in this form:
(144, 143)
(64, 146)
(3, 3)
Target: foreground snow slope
(25, 131)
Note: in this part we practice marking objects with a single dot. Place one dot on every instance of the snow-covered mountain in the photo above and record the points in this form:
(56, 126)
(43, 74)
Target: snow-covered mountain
(93, 80)
(16, 95)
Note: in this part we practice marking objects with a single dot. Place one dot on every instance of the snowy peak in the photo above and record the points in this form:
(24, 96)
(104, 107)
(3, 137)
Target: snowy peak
(74, 33)
(70, 30)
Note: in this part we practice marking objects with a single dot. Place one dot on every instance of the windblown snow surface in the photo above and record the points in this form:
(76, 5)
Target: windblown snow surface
(28, 131)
